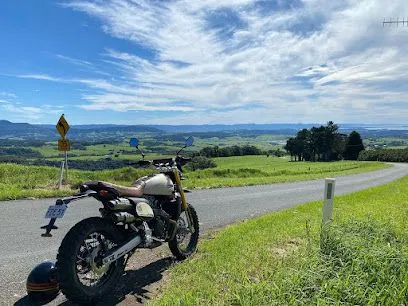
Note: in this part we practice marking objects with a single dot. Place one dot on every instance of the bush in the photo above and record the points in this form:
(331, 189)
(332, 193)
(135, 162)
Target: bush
(230, 151)
(200, 162)
(385, 155)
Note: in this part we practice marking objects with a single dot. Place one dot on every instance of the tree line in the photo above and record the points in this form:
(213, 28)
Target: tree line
(20, 152)
(385, 155)
(216, 151)
(324, 143)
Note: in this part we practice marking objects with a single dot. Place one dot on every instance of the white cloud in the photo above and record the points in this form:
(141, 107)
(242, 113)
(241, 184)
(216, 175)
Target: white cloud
(44, 77)
(74, 61)
(8, 95)
(26, 112)
(21, 111)
(306, 61)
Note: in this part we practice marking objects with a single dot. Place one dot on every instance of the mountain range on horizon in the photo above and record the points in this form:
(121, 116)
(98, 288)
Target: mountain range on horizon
(48, 131)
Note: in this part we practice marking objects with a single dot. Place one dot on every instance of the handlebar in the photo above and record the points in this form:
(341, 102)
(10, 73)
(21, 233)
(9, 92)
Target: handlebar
(181, 161)
(162, 161)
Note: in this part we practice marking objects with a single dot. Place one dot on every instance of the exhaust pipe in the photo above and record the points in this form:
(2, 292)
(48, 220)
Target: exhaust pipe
(123, 217)
(120, 204)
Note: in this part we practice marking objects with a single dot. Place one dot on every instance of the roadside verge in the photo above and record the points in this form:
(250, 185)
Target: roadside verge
(282, 258)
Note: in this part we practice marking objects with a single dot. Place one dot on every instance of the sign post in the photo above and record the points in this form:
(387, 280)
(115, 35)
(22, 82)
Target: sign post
(63, 144)
(328, 200)
(61, 174)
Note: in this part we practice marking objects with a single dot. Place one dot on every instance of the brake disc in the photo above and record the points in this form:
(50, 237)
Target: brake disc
(98, 270)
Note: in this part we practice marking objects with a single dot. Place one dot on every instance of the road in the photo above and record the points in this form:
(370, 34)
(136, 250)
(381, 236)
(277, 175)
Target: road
(22, 247)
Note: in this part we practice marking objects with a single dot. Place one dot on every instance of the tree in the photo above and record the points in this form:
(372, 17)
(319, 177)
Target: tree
(322, 143)
(294, 148)
(329, 141)
(339, 146)
(303, 137)
(290, 147)
(354, 145)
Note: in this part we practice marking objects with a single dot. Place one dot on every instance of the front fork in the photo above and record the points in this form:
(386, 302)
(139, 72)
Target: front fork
(184, 204)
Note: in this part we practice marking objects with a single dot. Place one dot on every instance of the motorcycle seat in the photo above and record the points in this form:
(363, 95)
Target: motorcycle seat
(127, 191)
(123, 191)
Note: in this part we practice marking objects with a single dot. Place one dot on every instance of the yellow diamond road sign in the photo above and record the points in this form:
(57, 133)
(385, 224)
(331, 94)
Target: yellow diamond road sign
(64, 145)
(62, 126)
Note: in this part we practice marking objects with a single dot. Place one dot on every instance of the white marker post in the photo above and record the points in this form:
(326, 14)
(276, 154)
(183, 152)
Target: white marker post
(328, 200)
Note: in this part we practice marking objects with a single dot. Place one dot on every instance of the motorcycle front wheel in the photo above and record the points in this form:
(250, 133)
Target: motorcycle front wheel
(81, 275)
(184, 242)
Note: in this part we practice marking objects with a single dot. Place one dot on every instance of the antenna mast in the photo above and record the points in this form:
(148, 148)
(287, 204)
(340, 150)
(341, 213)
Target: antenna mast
(397, 22)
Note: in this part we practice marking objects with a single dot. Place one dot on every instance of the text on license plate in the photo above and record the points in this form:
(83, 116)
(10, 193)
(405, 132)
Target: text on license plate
(55, 211)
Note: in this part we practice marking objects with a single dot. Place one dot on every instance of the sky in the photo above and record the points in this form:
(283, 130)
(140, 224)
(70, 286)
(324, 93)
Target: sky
(203, 62)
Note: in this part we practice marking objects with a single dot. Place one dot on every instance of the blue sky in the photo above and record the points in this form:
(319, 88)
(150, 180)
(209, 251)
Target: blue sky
(203, 62)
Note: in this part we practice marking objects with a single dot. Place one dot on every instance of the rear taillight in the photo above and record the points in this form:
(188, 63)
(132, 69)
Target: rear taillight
(103, 193)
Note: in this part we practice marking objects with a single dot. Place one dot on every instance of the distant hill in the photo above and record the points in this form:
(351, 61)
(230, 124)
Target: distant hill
(232, 127)
(48, 132)
(97, 132)
(21, 130)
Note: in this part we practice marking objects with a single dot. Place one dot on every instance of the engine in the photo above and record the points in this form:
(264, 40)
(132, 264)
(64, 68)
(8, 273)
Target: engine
(122, 210)
(163, 212)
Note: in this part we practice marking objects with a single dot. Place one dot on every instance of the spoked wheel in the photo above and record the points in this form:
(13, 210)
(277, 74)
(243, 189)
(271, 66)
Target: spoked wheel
(89, 268)
(185, 240)
(81, 274)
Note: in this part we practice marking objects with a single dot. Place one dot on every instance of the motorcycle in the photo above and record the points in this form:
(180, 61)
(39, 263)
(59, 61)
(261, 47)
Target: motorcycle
(153, 211)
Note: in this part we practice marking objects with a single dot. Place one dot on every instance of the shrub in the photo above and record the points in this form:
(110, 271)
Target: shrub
(386, 155)
(200, 162)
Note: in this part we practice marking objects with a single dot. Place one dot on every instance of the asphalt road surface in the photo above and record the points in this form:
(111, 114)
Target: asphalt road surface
(21, 247)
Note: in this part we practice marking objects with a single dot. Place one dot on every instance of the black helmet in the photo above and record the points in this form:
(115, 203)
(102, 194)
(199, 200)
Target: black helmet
(42, 285)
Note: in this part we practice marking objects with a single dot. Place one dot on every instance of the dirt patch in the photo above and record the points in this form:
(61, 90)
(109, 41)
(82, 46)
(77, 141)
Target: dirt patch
(286, 248)
(145, 274)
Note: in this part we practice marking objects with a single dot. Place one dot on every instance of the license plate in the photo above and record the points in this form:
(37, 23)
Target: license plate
(55, 211)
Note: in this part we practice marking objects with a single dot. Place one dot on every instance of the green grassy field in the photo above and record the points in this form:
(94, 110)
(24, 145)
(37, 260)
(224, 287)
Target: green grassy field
(17, 181)
(283, 258)
(254, 170)
(150, 141)
(50, 150)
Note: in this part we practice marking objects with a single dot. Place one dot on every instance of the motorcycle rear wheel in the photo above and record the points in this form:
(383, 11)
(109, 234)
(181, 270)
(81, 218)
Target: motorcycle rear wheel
(79, 256)
(180, 246)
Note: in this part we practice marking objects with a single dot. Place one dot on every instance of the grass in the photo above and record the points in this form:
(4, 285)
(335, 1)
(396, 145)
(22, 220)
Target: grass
(18, 181)
(50, 150)
(254, 170)
(282, 258)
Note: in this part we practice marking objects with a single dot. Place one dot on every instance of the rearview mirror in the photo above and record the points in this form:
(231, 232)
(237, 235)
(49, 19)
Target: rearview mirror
(134, 142)
(189, 141)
